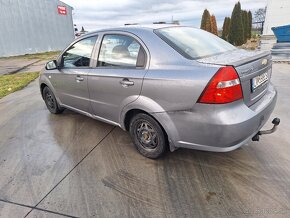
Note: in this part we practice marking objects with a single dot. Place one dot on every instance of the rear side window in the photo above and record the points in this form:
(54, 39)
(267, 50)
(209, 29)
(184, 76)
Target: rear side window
(193, 43)
(121, 51)
(79, 54)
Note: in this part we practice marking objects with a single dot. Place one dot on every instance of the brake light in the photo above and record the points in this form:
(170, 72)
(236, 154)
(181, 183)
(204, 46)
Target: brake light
(223, 88)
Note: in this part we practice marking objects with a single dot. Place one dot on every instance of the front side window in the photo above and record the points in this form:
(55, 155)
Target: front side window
(193, 43)
(119, 51)
(79, 54)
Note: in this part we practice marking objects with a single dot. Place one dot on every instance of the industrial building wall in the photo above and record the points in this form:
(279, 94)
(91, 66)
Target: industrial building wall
(277, 14)
(32, 26)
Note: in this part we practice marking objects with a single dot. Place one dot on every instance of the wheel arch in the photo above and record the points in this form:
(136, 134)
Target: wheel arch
(42, 86)
(141, 104)
(168, 133)
(130, 114)
(43, 82)
(153, 109)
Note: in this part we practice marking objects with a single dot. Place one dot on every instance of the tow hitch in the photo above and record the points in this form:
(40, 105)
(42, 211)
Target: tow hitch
(276, 123)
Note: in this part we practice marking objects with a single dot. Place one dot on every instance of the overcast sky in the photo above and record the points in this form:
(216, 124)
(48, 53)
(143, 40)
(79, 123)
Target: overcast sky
(96, 14)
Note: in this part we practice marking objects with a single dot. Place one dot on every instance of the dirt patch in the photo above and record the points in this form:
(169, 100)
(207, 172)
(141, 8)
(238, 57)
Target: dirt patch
(251, 44)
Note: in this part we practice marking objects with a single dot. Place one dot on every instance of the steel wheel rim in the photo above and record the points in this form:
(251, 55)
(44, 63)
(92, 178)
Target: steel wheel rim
(49, 100)
(146, 135)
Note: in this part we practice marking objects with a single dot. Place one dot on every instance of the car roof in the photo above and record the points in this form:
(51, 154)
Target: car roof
(133, 28)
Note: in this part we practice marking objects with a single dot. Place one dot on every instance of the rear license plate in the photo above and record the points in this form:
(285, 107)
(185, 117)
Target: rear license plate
(259, 80)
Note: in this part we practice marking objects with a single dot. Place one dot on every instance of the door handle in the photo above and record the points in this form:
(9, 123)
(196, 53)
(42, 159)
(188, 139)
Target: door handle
(126, 82)
(79, 79)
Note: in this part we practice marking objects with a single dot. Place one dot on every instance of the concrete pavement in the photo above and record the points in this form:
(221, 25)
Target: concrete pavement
(24, 64)
(69, 165)
(37, 66)
(13, 65)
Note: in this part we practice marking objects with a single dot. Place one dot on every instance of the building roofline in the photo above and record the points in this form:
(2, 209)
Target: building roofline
(66, 4)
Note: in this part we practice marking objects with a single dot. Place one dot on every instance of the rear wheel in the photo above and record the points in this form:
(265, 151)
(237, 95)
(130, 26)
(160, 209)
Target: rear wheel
(50, 101)
(148, 136)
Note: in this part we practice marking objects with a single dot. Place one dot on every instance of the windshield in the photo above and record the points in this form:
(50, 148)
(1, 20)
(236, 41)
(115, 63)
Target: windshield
(193, 43)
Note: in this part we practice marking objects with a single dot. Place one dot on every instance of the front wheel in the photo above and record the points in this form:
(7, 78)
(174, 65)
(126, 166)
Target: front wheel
(51, 102)
(148, 136)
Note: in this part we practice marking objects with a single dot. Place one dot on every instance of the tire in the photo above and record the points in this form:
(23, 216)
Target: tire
(148, 136)
(51, 102)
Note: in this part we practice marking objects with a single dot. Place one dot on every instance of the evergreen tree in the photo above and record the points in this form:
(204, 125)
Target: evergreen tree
(245, 25)
(249, 24)
(224, 36)
(205, 21)
(236, 33)
(226, 27)
(214, 29)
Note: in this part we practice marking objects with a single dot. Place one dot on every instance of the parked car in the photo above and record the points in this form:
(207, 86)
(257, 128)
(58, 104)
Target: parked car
(169, 86)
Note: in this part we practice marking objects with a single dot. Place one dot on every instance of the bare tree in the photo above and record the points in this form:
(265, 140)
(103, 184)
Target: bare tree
(259, 18)
(260, 14)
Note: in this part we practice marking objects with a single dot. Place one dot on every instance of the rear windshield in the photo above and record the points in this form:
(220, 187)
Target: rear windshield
(193, 43)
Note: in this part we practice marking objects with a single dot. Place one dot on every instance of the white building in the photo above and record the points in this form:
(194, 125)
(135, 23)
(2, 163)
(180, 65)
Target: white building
(277, 14)
(33, 26)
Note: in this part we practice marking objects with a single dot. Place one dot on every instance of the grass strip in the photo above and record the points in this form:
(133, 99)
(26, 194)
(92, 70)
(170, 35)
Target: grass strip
(14, 82)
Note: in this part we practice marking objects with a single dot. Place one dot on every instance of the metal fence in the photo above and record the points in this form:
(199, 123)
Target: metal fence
(32, 26)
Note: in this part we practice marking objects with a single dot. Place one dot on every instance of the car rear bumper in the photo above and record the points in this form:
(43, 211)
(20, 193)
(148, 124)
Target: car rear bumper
(218, 128)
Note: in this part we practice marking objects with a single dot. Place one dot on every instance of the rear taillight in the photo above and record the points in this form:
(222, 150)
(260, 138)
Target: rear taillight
(223, 88)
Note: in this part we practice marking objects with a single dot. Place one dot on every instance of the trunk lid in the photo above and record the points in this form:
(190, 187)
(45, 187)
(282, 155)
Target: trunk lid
(253, 67)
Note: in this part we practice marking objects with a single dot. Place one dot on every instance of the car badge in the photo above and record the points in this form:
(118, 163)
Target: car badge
(264, 62)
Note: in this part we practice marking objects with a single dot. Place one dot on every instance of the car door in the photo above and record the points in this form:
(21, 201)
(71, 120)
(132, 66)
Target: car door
(71, 81)
(117, 77)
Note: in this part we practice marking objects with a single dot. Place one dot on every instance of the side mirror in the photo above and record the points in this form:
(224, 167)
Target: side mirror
(51, 65)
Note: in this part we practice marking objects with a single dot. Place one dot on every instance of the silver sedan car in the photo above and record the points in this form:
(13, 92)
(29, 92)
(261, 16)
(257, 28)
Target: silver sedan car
(169, 86)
